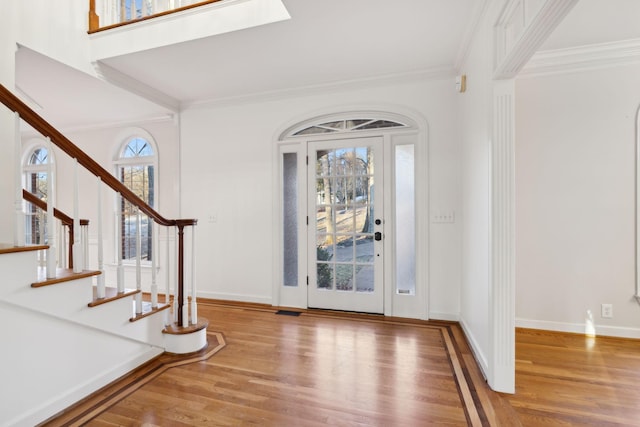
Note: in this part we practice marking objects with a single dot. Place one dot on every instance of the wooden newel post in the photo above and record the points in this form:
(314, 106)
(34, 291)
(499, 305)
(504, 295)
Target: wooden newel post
(180, 273)
(94, 19)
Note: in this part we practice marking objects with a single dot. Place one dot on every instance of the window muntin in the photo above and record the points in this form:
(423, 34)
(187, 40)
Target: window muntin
(348, 125)
(136, 170)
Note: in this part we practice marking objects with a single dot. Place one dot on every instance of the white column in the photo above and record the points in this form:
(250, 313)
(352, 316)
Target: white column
(119, 254)
(101, 291)
(194, 304)
(138, 263)
(78, 263)
(18, 230)
(51, 222)
(502, 261)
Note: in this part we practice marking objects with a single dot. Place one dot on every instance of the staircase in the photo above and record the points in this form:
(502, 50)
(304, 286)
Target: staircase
(64, 338)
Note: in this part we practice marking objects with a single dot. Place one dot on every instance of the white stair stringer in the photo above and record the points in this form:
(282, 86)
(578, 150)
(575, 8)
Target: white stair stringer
(70, 300)
(57, 349)
(50, 363)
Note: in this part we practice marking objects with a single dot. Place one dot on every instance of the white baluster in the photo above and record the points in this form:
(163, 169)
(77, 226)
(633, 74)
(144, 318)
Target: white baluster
(42, 255)
(51, 225)
(78, 264)
(62, 261)
(101, 291)
(154, 255)
(194, 305)
(19, 229)
(84, 238)
(138, 263)
(120, 267)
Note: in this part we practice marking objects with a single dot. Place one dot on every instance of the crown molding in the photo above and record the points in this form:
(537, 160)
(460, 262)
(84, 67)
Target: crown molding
(438, 73)
(470, 33)
(583, 58)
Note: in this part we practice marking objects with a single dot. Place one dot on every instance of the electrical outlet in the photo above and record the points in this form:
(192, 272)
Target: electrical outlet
(606, 311)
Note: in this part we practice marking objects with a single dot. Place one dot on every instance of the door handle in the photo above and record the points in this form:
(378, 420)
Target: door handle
(378, 236)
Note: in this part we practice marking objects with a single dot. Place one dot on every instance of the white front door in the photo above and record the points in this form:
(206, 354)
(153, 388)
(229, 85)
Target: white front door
(346, 227)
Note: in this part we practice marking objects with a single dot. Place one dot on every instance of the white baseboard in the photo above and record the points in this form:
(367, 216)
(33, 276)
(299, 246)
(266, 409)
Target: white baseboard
(450, 317)
(236, 297)
(579, 328)
(478, 354)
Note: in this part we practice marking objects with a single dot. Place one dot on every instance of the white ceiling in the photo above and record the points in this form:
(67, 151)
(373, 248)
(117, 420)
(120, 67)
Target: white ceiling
(325, 42)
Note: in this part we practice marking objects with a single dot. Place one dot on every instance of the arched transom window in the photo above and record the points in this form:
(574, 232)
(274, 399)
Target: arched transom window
(350, 125)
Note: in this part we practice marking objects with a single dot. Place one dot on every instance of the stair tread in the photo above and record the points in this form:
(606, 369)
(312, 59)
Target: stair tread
(7, 248)
(62, 275)
(111, 294)
(175, 329)
(148, 310)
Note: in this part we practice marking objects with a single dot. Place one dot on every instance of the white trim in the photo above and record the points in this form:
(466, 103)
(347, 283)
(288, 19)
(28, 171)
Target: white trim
(449, 317)
(128, 83)
(583, 58)
(108, 125)
(579, 328)
(417, 126)
(476, 349)
(636, 224)
(470, 34)
(228, 296)
(437, 73)
(502, 240)
(511, 55)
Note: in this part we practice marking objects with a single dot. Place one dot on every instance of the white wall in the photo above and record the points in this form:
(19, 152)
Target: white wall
(44, 28)
(227, 172)
(474, 122)
(575, 200)
(7, 130)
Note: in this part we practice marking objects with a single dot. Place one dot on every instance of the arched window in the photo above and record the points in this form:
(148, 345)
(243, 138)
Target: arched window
(136, 169)
(35, 181)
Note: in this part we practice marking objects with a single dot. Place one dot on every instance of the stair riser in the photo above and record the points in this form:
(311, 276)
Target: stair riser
(18, 269)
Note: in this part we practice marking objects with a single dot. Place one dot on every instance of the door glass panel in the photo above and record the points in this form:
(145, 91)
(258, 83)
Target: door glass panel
(344, 216)
(364, 277)
(324, 274)
(344, 248)
(405, 219)
(344, 277)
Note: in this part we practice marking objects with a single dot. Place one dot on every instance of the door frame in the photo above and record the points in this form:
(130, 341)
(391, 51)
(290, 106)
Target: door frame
(415, 132)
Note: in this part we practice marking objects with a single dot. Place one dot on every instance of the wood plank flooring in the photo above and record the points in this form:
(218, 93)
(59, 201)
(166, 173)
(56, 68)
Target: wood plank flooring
(355, 370)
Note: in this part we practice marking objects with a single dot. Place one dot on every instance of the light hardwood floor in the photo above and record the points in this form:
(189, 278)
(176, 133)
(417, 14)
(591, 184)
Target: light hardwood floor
(339, 369)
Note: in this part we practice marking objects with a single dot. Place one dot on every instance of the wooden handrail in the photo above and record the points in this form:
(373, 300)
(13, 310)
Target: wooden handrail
(41, 125)
(63, 217)
(94, 19)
